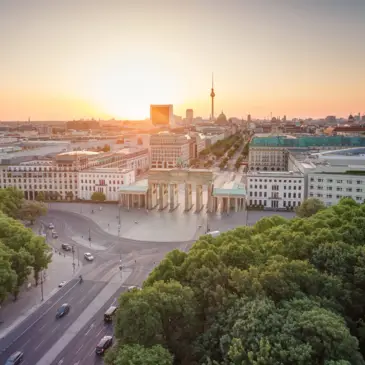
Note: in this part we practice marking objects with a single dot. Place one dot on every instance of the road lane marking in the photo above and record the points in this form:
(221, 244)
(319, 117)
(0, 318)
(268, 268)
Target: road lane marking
(38, 319)
(43, 326)
(97, 335)
(24, 344)
(91, 327)
(56, 328)
(60, 362)
(79, 349)
(40, 344)
(115, 299)
(70, 299)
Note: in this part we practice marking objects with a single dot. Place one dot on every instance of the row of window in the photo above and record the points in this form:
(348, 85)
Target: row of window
(276, 195)
(102, 182)
(285, 181)
(330, 196)
(274, 204)
(338, 188)
(275, 187)
(337, 181)
(92, 188)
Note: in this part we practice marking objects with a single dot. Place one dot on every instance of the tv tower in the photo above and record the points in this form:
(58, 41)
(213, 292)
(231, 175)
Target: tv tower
(212, 95)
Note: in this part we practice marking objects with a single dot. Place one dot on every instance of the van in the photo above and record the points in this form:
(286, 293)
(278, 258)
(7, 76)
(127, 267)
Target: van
(108, 315)
(214, 233)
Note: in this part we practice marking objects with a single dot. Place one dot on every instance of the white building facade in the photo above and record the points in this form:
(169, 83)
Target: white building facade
(275, 190)
(59, 178)
(168, 149)
(330, 187)
(104, 180)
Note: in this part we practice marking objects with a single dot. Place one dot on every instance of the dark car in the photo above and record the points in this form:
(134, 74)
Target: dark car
(104, 344)
(66, 247)
(63, 310)
(15, 359)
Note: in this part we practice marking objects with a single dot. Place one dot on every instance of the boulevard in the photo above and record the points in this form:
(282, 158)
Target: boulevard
(36, 335)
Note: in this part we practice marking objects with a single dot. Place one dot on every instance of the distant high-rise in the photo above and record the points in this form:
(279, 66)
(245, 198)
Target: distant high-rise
(212, 95)
(189, 116)
(249, 118)
(162, 115)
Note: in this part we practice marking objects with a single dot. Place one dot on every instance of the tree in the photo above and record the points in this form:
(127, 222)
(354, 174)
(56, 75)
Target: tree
(139, 355)
(279, 292)
(163, 313)
(20, 262)
(309, 207)
(98, 196)
(41, 256)
(8, 277)
(11, 200)
(31, 210)
(40, 196)
(106, 148)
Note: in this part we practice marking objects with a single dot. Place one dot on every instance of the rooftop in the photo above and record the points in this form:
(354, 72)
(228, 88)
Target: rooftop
(140, 186)
(307, 141)
(80, 153)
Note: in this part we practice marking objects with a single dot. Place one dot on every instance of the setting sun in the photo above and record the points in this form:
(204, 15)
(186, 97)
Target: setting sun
(128, 89)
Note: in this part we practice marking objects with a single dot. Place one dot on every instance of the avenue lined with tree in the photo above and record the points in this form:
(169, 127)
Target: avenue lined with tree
(22, 253)
(279, 292)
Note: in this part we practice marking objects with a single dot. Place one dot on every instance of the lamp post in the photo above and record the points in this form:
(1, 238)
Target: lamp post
(42, 298)
(90, 237)
(73, 259)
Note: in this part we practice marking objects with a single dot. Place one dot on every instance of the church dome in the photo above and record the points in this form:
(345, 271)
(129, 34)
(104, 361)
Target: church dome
(222, 119)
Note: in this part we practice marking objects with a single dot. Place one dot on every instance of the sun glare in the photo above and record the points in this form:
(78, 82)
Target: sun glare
(128, 91)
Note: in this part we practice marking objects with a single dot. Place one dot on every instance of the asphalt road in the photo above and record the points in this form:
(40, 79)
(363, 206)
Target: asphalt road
(81, 351)
(41, 329)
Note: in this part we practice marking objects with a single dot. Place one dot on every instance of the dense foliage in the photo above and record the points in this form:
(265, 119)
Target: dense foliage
(281, 292)
(21, 252)
(98, 196)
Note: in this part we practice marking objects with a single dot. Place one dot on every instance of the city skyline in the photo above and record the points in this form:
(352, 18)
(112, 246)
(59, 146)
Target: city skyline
(84, 59)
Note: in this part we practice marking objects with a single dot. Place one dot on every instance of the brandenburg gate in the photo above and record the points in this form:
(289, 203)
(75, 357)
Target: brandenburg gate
(164, 184)
(161, 191)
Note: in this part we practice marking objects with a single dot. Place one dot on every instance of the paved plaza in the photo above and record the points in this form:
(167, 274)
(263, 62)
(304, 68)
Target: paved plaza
(162, 226)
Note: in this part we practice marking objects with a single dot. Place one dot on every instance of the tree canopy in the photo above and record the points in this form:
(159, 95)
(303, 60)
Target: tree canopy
(98, 196)
(21, 251)
(288, 292)
(309, 207)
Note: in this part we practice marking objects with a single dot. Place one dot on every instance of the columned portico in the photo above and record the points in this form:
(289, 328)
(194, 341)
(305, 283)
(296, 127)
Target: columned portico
(174, 196)
(188, 197)
(199, 198)
(162, 190)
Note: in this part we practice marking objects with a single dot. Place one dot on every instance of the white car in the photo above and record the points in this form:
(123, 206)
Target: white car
(51, 226)
(133, 287)
(88, 256)
(62, 284)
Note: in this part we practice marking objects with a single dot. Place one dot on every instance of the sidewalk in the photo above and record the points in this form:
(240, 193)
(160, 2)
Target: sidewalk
(12, 313)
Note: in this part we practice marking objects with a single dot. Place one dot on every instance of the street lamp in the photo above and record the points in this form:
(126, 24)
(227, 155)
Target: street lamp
(42, 299)
(90, 237)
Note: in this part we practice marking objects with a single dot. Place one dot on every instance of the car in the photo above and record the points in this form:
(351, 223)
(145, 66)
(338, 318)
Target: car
(62, 284)
(88, 256)
(133, 287)
(63, 310)
(51, 226)
(15, 359)
(66, 247)
(54, 234)
(104, 344)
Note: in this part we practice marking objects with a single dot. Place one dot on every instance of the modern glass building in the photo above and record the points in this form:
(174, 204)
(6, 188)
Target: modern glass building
(308, 141)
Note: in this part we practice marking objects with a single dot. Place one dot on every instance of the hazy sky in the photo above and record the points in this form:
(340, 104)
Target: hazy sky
(65, 59)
